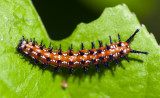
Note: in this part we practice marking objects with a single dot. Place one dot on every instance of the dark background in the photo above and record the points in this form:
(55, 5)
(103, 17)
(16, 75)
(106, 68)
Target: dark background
(60, 17)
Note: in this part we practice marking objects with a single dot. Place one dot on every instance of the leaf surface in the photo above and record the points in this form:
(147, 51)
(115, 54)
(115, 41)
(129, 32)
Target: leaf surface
(18, 78)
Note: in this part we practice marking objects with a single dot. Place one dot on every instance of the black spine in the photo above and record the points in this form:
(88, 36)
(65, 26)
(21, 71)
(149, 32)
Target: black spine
(71, 49)
(41, 43)
(93, 46)
(49, 46)
(119, 38)
(60, 50)
(23, 38)
(132, 36)
(134, 51)
(110, 39)
(100, 43)
(30, 39)
(82, 46)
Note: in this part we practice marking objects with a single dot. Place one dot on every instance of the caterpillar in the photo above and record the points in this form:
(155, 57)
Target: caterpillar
(71, 59)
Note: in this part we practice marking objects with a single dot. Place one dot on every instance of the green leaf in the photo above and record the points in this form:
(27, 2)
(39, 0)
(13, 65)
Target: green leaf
(18, 78)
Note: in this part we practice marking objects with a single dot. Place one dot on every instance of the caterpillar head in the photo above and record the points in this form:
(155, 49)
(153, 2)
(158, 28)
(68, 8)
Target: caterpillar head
(21, 42)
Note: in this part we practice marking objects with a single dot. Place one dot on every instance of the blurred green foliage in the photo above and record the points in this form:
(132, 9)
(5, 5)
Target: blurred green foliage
(68, 13)
(141, 7)
(147, 11)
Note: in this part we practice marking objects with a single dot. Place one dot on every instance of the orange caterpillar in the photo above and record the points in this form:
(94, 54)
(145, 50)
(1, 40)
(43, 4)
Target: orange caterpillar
(83, 57)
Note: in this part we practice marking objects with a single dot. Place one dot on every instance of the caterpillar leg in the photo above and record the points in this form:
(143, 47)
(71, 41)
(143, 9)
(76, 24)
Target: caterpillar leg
(106, 64)
(85, 69)
(57, 68)
(117, 62)
(97, 69)
(126, 58)
(45, 67)
(71, 70)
